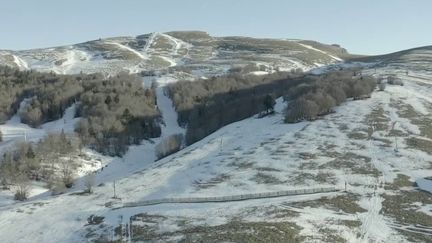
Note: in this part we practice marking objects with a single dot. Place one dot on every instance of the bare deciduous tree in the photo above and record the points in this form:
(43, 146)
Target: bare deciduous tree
(22, 187)
(89, 182)
(169, 145)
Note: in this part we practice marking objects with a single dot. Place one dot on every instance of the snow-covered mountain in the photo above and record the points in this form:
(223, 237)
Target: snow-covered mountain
(195, 51)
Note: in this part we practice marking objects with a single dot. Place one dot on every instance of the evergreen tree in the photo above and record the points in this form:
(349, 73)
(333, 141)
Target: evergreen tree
(269, 103)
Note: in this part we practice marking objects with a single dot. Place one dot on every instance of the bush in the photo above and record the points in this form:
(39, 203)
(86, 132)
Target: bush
(21, 195)
(89, 182)
(302, 109)
(337, 93)
(391, 79)
(32, 114)
(58, 188)
(395, 81)
(269, 103)
(169, 145)
(22, 187)
(359, 91)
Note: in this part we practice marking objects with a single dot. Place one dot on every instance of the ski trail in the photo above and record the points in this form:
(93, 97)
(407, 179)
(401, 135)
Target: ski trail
(172, 63)
(176, 46)
(139, 54)
(20, 63)
(169, 114)
(72, 58)
(374, 226)
(177, 43)
(150, 41)
(318, 50)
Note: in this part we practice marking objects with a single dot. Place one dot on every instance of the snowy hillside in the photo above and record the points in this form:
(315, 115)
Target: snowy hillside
(195, 52)
(354, 148)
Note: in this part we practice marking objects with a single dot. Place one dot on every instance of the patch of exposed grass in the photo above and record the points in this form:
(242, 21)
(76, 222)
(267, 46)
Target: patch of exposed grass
(424, 122)
(233, 231)
(384, 142)
(267, 169)
(237, 231)
(308, 165)
(350, 161)
(397, 133)
(242, 165)
(400, 207)
(352, 224)
(347, 203)
(420, 144)
(212, 181)
(343, 127)
(326, 177)
(281, 213)
(265, 178)
(400, 181)
(162, 43)
(330, 235)
(306, 155)
(378, 119)
(358, 135)
(301, 178)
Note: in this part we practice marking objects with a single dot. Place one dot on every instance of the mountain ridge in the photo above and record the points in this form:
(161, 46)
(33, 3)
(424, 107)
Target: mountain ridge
(195, 50)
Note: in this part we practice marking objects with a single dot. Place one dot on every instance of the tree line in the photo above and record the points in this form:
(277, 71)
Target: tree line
(116, 111)
(206, 105)
(48, 94)
(317, 97)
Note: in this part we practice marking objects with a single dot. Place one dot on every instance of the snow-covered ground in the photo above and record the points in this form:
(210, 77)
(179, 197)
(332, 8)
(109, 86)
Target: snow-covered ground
(353, 148)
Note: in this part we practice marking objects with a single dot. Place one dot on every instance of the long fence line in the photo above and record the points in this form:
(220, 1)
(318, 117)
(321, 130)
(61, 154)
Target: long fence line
(230, 198)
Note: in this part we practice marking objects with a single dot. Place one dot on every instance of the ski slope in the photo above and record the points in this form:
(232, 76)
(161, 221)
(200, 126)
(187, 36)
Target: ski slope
(250, 156)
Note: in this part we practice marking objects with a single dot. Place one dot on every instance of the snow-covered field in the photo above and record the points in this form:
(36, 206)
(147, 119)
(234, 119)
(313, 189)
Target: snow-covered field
(353, 148)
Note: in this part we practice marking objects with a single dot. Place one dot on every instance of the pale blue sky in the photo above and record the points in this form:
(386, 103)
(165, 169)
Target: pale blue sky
(364, 27)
